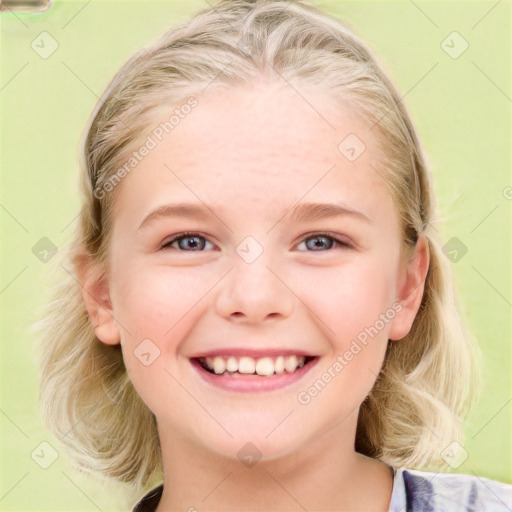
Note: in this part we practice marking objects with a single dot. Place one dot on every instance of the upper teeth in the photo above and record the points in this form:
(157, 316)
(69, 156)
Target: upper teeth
(249, 365)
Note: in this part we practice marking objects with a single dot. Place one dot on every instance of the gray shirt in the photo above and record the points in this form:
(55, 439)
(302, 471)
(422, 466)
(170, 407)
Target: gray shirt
(421, 491)
(424, 491)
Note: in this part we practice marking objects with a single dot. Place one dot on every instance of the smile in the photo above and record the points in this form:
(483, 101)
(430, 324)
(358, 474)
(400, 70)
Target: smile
(264, 366)
(253, 374)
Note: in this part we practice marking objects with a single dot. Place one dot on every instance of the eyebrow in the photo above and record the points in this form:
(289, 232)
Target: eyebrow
(299, 213)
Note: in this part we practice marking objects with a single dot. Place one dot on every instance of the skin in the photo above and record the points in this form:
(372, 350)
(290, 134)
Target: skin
(251, 154)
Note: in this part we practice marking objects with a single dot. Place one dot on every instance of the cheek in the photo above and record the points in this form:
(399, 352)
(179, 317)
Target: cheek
(348, 298)
(156, 300)
(158, 308)
(354, 304)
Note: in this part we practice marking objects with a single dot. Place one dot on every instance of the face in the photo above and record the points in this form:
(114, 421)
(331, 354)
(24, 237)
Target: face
(246, 276)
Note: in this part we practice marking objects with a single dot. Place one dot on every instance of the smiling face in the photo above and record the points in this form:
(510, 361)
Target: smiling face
(261, 275)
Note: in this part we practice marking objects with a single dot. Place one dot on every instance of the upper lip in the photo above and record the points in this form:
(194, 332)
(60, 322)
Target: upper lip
(254, 353)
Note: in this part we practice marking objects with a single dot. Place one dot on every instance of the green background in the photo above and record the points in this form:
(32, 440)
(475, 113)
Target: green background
(460, 106)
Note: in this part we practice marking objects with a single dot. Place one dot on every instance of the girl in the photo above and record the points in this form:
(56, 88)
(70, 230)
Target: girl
(259, 312)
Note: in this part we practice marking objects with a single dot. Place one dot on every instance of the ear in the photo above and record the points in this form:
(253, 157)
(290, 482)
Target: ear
(96, 296)
(410, 286)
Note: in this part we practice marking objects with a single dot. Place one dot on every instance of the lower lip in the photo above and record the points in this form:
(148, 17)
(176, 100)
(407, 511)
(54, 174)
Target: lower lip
(253, 383)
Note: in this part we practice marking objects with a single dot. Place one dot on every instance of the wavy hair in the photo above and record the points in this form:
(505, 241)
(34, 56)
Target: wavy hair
(428, 380)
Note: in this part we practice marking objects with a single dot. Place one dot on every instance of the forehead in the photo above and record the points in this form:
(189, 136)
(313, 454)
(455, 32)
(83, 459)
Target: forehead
(265, 145)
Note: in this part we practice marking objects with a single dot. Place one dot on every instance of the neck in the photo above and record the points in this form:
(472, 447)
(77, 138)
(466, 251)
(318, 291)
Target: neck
(326, 475)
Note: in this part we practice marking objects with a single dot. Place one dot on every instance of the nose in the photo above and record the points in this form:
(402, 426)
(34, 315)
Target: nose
(253, 293)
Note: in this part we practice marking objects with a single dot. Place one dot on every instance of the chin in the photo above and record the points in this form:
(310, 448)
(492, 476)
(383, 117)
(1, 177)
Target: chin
(257, 442)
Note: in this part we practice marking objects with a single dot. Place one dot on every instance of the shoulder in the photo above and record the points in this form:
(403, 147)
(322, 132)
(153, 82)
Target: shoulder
(424, 491)
(150, 501)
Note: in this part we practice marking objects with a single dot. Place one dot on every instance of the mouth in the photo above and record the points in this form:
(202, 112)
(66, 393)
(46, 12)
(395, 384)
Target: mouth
(246, 373)
(263, 366)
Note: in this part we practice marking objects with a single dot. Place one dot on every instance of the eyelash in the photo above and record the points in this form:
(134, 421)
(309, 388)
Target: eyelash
(338, 242)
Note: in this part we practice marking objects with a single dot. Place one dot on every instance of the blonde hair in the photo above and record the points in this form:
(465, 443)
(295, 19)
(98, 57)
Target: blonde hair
(428, 379)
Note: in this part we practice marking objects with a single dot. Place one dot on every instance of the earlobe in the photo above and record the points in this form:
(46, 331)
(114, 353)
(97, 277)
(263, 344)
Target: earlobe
(410, 288)
(96, 296)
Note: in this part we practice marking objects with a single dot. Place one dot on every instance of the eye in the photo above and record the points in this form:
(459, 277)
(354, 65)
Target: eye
(189, 242)
(194, 242)
(323, 241)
